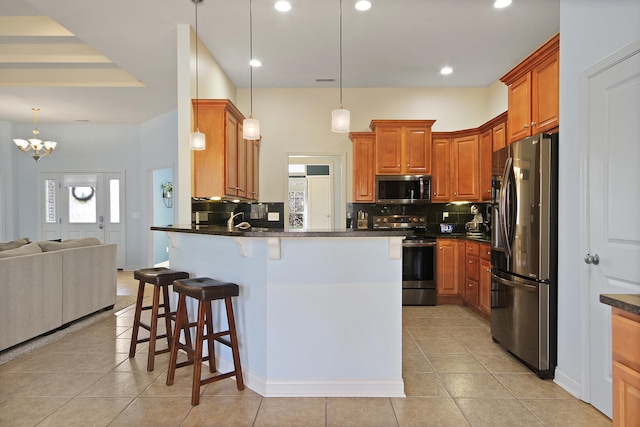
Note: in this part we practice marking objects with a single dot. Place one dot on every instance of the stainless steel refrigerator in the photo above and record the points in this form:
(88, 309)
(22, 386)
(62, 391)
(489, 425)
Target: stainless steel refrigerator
(524, 251)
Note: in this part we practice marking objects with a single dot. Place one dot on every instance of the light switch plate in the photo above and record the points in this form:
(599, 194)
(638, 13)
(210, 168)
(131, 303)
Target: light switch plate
(273, 216)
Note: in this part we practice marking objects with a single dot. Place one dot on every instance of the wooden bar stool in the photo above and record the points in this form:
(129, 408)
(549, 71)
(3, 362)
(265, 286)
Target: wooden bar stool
(204, 290)
(160, 278)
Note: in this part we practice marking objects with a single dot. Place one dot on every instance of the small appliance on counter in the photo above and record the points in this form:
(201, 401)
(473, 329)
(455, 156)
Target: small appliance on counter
(446, 228)
(476, 227)
(363, 220)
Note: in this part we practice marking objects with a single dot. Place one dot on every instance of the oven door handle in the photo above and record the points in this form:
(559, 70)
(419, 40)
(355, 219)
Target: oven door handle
(418, 245)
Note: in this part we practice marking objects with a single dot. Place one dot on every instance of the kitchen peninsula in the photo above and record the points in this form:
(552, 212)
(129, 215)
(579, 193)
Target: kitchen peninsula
(319, 313)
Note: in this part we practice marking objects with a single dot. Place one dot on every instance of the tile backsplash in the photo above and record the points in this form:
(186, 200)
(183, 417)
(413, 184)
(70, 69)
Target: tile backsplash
(217, 213)
(458, 214)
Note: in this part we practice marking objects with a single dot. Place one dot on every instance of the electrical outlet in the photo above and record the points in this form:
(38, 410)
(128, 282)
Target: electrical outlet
(273, 216)
(445, 215)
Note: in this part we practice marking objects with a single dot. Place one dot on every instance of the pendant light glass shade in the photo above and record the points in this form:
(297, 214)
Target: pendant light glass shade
(340, 120)
(251, 128)
(197, 141)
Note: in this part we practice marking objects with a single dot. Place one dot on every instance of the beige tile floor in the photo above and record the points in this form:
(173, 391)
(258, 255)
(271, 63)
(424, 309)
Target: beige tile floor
(454, 376)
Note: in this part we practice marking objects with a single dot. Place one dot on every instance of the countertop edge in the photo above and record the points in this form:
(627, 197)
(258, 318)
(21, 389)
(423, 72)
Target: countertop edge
(222, 231)
(626, 302)
(215, 230)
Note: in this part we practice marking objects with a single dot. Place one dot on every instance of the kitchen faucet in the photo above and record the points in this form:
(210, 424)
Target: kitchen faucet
(230, 226)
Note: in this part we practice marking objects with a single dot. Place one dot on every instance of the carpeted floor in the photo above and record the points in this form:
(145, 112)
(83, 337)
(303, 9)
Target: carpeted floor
(127, 289)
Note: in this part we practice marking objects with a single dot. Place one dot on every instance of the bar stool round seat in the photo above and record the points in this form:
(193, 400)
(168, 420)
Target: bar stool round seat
(204, 290)
(160, 278)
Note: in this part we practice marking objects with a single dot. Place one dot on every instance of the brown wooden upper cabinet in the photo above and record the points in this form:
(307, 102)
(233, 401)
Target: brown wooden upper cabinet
(402, 146)
(363, 166)
(465, 168)
(441, 170)
(228, 167)
(533, 94)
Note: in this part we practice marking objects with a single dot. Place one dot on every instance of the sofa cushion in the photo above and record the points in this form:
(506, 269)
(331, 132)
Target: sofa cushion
(31, 248)
(48, 246)
(4, 246)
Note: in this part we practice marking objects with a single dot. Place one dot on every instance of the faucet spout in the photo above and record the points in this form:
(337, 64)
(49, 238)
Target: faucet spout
(230, 225)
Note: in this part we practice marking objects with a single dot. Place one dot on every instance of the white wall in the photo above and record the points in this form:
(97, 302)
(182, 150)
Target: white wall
(131, 148)
(590, 30)
(299, 120)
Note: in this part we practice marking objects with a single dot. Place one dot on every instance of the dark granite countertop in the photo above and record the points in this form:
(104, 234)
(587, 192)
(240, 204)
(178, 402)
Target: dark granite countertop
(484, 239)
(626, 302)
(218, 230)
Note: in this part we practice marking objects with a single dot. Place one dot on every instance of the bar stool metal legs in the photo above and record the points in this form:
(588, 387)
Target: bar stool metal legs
(204, 290)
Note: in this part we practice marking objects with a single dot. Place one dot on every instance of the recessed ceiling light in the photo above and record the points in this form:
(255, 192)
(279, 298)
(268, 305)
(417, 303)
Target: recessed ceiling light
(499, 4)
(363, 5)
(283, 6)
(446, 70)
(255, 63)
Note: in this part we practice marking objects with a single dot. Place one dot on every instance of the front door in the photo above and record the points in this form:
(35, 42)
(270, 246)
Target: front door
(77, 205)
(613, 204)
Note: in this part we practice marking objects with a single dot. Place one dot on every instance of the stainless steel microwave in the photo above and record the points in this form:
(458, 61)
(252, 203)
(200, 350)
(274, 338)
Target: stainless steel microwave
(403, 189)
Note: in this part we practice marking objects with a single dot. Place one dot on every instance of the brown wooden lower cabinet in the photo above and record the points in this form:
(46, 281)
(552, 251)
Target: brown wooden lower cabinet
(626, 368)
(464, 274)
(447, 276)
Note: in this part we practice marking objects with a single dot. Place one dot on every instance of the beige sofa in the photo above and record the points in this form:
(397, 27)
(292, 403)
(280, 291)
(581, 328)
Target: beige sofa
(45, 285)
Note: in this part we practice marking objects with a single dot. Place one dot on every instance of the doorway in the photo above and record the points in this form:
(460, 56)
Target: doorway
(162, 199)
(613, 93)
(76, 205)
(314, 198)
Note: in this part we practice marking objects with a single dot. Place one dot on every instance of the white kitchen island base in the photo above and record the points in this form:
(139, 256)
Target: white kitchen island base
(316, 316)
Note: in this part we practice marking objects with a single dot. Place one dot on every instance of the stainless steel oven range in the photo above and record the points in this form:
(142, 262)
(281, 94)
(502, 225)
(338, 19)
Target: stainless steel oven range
(418, 259)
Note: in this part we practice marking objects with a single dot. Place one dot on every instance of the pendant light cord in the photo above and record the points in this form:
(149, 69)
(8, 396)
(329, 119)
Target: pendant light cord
(340, 53)
(251, 57)
(197, 76)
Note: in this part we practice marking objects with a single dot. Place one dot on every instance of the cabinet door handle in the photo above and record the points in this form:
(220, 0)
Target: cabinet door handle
(408, 165)
(526, 125)
(440, 248)
(398, 164)
(533, 124)
(455, 194)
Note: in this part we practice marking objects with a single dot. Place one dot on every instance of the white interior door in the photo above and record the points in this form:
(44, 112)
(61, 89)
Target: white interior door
(319, 206)
(614, 205)
(80, 205)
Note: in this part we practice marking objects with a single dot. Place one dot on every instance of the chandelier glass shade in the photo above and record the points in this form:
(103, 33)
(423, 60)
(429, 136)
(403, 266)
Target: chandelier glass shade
(35, 147)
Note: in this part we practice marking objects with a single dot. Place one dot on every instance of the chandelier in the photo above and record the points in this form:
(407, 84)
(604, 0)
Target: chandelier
(35, 147)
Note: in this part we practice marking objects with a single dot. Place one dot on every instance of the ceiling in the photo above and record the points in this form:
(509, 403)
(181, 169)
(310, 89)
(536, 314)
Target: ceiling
(114, 62)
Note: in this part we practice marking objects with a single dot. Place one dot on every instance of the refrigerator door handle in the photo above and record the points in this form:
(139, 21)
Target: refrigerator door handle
(523, 286)
(504, 207)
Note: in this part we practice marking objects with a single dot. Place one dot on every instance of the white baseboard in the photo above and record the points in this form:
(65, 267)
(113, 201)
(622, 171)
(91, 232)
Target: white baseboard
(317, 387)
(567, 383)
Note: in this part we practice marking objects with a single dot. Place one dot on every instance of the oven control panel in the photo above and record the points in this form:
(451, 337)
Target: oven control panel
(399, 221)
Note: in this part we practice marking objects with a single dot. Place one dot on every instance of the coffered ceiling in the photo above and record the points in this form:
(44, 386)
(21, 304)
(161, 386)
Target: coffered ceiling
(114, 62)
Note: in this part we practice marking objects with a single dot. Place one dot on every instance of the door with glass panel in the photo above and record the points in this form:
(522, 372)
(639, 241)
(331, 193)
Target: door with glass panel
(84, 205)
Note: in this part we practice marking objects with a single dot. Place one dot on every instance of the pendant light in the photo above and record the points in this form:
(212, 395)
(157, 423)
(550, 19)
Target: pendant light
(251, 126)
(340, 118)
(197, 139)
